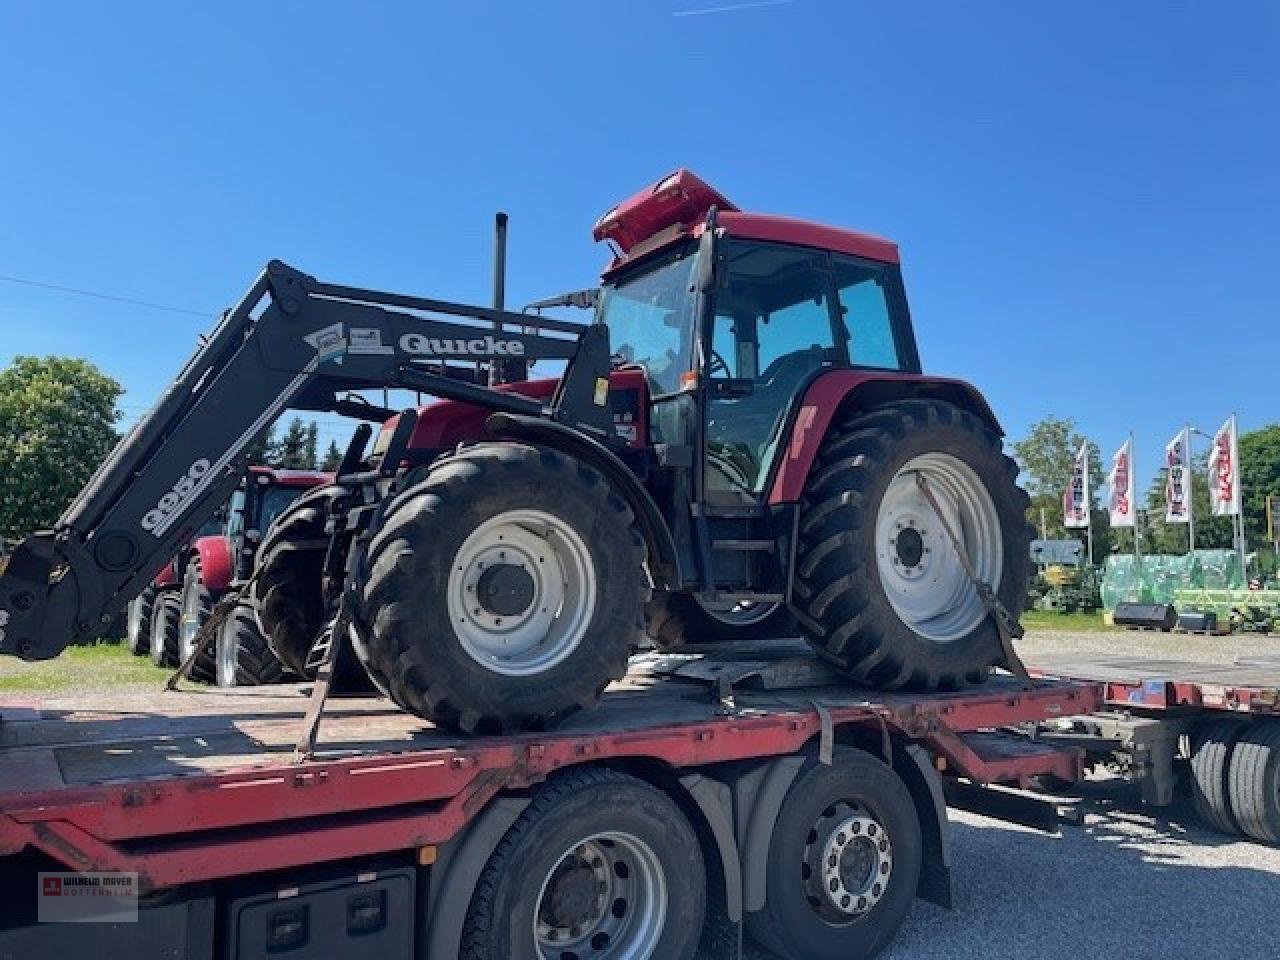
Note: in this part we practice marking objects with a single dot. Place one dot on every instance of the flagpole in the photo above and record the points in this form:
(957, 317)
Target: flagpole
(1239, 524)
(1190, 494)
(1088, 505)
(1133, 505)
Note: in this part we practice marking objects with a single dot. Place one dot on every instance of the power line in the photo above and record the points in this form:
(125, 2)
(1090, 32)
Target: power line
(105, 296)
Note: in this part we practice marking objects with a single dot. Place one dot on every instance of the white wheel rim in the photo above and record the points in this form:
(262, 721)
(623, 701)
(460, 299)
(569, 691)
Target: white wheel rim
(919, 570)
(562, 586)
(741, 613)
(847, 863)
(604, 898)
(187, 630)
(134, 624)
(226, 663)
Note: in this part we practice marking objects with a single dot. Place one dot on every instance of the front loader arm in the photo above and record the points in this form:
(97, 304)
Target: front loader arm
(289, 338)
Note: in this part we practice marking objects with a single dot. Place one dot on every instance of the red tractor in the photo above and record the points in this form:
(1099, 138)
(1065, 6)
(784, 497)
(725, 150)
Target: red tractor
(151, 623)
(225, 559)
(742, 435)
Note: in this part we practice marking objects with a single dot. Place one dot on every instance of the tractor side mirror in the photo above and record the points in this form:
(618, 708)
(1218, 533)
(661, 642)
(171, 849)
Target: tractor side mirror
(253, 536)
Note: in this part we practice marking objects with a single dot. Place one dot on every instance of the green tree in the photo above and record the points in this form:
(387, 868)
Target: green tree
(1046, 456)
(57, 417)
(1161, 537)
(264, 450)
(297, 448)
(332, 457)
(1260, 475)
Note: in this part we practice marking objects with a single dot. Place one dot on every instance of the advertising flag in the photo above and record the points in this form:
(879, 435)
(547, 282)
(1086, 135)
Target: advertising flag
(1076, 499)
(1122, 505)
(1224, 470)
(1177, 482)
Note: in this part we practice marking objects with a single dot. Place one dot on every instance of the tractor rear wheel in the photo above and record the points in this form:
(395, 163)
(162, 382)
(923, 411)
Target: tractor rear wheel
(138, 622)
(197, 604)
(165, 615)
(288, 593)
(501, 592)
(883, 594)
(682, 619)
(244, 659)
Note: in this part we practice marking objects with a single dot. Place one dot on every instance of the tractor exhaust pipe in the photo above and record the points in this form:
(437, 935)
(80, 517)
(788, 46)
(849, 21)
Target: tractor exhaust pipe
(498, 371)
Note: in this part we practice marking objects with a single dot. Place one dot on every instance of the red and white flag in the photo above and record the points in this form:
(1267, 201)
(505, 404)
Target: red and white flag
(1075, 499)
(1122, 505)
(1177, 481)
(1224, 470)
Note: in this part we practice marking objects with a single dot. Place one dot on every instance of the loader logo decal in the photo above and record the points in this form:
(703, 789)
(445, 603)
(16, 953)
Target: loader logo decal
(486, 346)
(157, 520)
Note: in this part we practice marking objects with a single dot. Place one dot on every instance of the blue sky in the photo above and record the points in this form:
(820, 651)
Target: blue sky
(1086, 195)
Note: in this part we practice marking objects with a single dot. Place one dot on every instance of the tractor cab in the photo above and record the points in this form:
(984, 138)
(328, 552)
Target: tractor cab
(733, 317)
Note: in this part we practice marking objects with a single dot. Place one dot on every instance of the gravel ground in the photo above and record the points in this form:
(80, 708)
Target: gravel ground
(1146, 643)
(1126, 883)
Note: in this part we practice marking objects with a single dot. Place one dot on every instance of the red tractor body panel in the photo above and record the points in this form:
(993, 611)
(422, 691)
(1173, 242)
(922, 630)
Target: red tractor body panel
(214, 554)
(829, 391)
(447, 423)
(167, 577)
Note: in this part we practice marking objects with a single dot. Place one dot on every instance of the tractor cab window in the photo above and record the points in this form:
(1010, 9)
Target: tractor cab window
(865, 311)
(651, 322)
(274, 500)
(774, 328)
(235, 515)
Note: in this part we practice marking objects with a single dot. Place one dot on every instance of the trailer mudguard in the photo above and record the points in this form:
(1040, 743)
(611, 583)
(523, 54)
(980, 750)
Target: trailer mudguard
(833, 390)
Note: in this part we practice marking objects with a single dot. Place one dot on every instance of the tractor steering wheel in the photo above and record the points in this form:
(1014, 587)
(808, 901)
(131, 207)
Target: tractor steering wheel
(718, 363)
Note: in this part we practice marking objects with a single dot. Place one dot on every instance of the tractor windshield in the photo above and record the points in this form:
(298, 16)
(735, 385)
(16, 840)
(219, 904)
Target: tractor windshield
(651, 322)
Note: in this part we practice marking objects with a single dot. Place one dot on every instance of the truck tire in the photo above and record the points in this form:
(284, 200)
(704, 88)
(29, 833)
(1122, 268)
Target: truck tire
(601, 865)
(1211, 748)
(844, 861)
(1255, 781)
(503, 591)
(288, 593)
(681, 619)
(165, 615)
(138, 622)
(197, 604)
(243, 657)
(882, 593)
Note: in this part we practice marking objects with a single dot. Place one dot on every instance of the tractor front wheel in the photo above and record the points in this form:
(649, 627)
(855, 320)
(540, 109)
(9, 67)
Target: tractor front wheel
(138, 622)
(503, 591)
(883, 593)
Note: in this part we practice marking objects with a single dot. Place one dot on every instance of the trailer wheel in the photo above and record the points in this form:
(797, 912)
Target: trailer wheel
(502, 592)
(1211, 750)
(600, 865)
(243, 657)
(844, 861)
(1255, 782)
(138, 622)
(287, 592)
(682, 619)
(197, 604)
(884, 596)
(165, 615)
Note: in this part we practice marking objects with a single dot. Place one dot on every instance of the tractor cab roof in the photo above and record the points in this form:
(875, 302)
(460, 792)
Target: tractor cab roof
(675, 208)
(281, 477)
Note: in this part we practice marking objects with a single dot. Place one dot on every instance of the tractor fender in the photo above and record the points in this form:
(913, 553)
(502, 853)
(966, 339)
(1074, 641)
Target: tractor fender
(168, 575)
(834, 390)
(214, 554)
(664, 563)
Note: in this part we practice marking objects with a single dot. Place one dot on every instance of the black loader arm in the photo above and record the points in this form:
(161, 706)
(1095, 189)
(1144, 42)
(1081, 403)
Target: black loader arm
(290, 342)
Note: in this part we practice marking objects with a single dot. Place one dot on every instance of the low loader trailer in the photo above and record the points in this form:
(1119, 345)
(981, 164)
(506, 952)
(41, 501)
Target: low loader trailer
(711, 794)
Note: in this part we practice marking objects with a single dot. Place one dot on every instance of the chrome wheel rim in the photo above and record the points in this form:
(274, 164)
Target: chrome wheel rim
(226, 663)
(521, 592)
(919, 570)
(133, 625)
(741, 613)
(847, 864)
(605, 898)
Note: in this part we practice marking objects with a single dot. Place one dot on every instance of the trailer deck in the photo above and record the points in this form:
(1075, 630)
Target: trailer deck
(198, 785)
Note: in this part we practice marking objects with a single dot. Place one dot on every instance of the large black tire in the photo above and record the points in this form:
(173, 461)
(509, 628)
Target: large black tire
(165, 615)
(244, 659)
(565, 813)
(678, 619)
(1211, 748)
(138, 622)
(408, 639)
(197, 604)
(1254, 781)
(802, 918)
(839, 590)
(288, 593)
